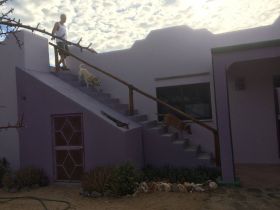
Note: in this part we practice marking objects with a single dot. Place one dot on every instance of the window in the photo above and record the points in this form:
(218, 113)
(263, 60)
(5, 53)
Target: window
(194, 99)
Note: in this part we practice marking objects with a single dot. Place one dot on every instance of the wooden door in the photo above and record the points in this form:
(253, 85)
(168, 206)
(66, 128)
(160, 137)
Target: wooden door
(68, 147)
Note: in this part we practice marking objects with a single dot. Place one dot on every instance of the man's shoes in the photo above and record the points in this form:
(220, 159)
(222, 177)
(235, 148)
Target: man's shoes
(64, 68)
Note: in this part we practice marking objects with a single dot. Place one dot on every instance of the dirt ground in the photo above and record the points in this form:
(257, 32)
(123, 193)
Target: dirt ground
(260, 191)
(221, 199)
(258, 175)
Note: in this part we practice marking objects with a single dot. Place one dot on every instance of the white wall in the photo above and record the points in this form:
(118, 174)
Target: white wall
(252, 112)
(33, 55)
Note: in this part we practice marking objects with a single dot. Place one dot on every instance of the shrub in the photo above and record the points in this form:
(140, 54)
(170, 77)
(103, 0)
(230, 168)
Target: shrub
(25, 178)
(124, 180)
(4, 169)
(180, 175)
(96, 179)
(9, 182)
(30, 176)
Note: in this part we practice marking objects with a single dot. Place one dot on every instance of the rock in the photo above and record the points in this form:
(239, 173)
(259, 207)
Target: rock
(199, 189)
(143, 187)
(213, 185)
(189, 186)
(153, 187)
(174, 188)
(182, 188)
(165, 187)
(95, 194)
(157, 186)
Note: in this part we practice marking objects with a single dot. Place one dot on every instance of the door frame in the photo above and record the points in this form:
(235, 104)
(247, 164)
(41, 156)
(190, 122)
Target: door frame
(53, 144)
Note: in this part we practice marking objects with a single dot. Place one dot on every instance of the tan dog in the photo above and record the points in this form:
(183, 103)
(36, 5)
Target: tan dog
(174, 121)
(89, 78)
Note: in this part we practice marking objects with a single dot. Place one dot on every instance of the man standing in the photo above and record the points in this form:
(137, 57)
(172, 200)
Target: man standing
(60, 30)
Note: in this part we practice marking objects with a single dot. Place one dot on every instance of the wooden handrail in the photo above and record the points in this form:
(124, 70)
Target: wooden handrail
(131, 88)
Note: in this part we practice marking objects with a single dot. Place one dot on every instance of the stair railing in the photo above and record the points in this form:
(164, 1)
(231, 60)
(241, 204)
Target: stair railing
(131, 88)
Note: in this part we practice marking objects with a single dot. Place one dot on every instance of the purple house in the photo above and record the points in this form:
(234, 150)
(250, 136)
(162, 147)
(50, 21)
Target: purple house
(232, 92)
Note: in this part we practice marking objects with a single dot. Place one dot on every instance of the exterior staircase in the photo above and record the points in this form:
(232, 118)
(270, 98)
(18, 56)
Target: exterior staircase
(167, 140)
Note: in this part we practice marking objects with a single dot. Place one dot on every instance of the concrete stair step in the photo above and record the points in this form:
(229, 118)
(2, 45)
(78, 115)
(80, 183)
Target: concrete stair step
(139, 117)
(191, 148)
(92, 89)
(108, 101)
(121, 108)
(66, 76)
(149, 123)
(172, 135)
(157, 129)
(73, 83)
(179, 141)
(204, 156)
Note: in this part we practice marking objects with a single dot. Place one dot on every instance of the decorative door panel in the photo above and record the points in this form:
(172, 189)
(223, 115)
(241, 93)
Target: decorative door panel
(68, 147)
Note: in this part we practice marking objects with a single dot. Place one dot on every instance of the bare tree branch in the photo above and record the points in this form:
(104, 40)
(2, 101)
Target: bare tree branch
(18, 124)
(12, 26)
(3, 2)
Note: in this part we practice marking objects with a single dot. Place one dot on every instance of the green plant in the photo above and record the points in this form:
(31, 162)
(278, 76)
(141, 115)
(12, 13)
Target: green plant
(96, 179)
(30, 176)
(25, 178)
(9, 181)
(180, 175)
(124, 180)
(4, 169)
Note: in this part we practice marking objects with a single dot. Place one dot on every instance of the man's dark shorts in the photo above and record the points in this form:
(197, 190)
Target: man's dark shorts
(63, 46)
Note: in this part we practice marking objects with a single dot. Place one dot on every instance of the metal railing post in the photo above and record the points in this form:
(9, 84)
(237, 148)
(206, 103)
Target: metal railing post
(56, 59)
(130, 100)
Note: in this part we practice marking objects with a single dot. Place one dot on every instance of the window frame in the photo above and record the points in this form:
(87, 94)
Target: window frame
(210, 119)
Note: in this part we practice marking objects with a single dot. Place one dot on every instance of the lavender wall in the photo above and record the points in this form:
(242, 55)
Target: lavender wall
(103, 142)
(10, 56)
(221, 63)
(255, 139)
(33, 55)
(177, 51)
(168, 52)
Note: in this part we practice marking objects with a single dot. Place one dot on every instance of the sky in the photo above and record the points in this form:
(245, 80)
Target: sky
(116, 24)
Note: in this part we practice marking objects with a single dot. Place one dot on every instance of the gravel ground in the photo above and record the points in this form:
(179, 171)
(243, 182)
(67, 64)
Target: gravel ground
(220, 199)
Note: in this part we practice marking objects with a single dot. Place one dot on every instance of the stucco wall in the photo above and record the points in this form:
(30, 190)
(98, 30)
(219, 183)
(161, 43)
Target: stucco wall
(252, 111)
(32, 55)
(177, 51)
(104, 143)
(10, 56)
